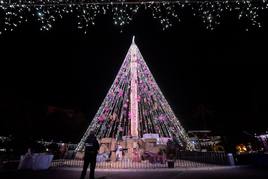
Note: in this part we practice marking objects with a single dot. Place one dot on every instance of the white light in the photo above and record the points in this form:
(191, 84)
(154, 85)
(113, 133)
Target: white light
(123, 11)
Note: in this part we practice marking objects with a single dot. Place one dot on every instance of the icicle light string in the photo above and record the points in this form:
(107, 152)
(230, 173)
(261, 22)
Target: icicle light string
(14, 12)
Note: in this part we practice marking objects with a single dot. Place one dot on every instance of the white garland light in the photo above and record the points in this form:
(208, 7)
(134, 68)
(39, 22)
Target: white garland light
(15, 12)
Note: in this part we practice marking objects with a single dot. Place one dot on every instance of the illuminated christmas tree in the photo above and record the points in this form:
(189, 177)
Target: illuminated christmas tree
(135, 105)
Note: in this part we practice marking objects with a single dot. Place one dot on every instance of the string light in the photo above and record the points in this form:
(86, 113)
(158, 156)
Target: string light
(135, 105)
(167, 12)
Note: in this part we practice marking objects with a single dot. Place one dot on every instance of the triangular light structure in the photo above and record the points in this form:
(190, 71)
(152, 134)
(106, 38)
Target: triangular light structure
(135, 105)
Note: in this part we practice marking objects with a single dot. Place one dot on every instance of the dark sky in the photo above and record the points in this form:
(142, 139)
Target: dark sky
(221, 74)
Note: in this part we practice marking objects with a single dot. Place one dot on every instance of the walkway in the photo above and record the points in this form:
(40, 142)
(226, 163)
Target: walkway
(205, 173)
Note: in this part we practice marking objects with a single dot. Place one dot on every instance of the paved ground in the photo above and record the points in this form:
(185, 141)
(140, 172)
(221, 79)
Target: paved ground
(204, 173)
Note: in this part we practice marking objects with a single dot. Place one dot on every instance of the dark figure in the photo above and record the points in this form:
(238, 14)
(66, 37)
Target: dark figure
(91, 150)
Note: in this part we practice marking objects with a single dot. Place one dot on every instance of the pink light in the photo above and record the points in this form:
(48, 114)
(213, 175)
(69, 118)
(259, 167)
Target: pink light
(133, 90)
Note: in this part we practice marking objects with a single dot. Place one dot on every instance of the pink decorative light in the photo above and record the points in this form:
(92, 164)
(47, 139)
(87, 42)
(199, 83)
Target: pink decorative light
(101, 118)
(136, 104)
(134, 90)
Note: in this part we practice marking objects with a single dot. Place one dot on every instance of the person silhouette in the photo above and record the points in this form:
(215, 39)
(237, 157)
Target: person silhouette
(91, 150)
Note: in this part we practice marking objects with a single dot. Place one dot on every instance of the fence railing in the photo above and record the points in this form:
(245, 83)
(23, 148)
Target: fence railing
(130, 164)
(184, 159)
(219, 158)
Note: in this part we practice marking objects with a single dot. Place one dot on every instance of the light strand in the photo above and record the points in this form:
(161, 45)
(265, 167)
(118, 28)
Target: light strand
(13, 13)
(135, 106)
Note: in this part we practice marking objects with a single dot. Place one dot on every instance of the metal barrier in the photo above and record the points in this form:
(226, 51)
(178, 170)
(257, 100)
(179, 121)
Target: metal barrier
(184, 159)
(127, 164)
(219, 158)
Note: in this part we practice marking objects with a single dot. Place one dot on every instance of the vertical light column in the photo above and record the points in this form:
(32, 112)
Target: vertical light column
(134, 90)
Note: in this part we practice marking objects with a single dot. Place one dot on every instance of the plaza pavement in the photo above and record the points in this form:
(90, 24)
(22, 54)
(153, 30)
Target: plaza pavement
(178, 173)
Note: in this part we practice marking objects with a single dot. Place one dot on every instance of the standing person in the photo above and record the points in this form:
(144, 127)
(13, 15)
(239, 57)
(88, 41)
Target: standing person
(118, 152)
(91, 150)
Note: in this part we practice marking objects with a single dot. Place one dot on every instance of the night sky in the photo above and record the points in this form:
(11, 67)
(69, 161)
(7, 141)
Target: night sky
(212, 79)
